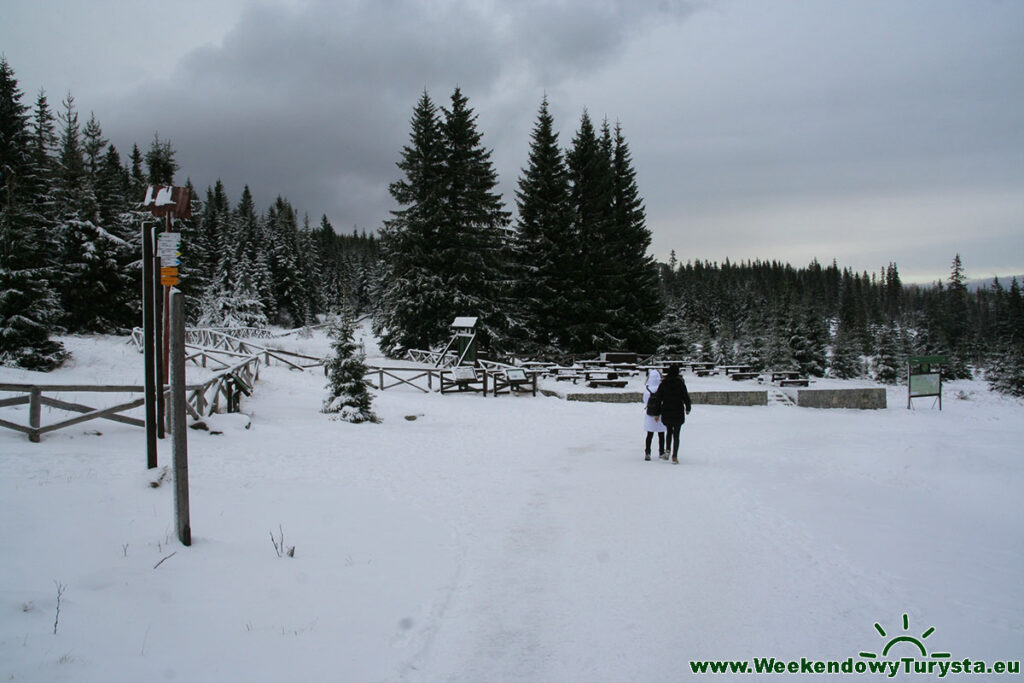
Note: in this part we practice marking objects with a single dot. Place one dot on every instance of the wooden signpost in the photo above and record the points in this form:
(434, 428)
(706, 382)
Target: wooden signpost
(161, 257)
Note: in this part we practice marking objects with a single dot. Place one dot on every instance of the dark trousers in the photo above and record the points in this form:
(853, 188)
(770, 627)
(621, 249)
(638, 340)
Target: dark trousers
(661, 442)
(673, 439)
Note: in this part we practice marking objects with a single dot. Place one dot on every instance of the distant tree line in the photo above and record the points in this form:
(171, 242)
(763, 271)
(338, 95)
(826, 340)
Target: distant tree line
(243, 268)
(825, 321)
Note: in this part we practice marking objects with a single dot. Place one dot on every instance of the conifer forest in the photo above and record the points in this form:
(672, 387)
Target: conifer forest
(567, 273)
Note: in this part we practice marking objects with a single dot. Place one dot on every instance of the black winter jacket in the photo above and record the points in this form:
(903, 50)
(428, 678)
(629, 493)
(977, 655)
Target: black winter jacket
(674, 400)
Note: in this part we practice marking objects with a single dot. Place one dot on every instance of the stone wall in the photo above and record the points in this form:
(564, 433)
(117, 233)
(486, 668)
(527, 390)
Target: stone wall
(861, 399)
(713, 398)
(607, 397)
(729, 398)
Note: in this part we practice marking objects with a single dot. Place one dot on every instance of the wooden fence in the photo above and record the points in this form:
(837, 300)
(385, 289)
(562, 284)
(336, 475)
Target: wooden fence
(221, 392)
(419, 378)
(35, 395)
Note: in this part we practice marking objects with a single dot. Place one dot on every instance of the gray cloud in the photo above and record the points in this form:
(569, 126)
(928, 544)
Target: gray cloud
(862, 130)
(314, 102)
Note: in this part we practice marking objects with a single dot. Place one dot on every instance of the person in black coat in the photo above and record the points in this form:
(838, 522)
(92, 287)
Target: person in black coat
(674, 400)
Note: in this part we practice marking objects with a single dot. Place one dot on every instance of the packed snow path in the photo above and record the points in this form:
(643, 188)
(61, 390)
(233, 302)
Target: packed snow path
(512, 539)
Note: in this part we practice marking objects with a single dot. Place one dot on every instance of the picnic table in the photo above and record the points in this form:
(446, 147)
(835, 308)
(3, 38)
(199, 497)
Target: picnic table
(731, 369)
(561, 373)
(604, 378)
(790, 378)
(739, 376)
(604, 374)
(785, 374)
(698, 366)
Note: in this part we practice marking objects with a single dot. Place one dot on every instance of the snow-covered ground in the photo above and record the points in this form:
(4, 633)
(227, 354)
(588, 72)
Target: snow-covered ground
(505, 539)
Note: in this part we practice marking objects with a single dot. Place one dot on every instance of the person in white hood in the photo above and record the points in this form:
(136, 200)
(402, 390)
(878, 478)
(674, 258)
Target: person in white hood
(652, 420)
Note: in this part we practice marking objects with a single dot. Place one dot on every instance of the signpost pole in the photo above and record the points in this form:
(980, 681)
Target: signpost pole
(167, 203)
(179, 430)
(149, 343)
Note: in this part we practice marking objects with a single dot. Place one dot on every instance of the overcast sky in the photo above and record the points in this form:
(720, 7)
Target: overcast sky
(865, 131)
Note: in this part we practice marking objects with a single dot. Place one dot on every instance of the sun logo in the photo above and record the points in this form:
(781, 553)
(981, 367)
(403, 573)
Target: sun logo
(905, 639)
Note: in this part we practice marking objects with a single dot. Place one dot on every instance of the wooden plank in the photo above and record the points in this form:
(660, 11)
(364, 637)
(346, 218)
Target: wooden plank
(16, 427)
(78, 408)
(84, 388)
(16, 401)
(104, 412)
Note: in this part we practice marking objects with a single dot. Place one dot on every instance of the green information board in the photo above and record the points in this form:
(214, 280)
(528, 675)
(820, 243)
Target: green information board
(924, 378)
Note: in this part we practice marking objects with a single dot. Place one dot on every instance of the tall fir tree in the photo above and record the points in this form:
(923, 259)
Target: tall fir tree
(414, 310)
(544, 240)
(28, 307)
(161, 166)
(95, 283)
(588, 325)
(637, 276)
(473, 244)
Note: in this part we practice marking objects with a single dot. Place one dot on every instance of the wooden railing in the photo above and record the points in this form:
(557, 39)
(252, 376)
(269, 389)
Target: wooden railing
(204, 344)
(385, 378)
(222, 392)
(35, 396)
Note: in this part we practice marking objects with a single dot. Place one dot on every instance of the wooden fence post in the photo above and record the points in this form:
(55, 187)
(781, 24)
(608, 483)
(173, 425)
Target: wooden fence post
(34, 413)
(149, 343)
(179, 428)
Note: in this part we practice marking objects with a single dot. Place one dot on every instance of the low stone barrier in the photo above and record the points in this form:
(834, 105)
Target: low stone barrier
(729, 398)
(861, 399)
(712, 398)
(606, 397)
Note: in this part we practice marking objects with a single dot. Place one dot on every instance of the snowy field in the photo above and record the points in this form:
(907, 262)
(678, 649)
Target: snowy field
(506, 539)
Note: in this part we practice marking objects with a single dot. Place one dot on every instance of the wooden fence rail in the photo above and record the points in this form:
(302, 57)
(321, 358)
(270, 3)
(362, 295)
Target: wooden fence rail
(385, 378)
(35, 396)
(203, 399)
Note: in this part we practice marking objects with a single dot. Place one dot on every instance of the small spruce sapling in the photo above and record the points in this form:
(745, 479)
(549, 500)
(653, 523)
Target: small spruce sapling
(348, 395)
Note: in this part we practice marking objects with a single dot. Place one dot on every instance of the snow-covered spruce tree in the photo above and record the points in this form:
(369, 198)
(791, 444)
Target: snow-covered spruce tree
(95, 285)
(807, 344)
(348, 395)
(411, 313)
(845, 362)
(887, 362)
(589, 324)
(445, 253)
(1006, 373)
(637, 274)
(236, 304)
(28, 307)
(544, 241)
(473, 246)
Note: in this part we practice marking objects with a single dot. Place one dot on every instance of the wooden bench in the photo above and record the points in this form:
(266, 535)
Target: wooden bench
(605, 375)
(705, 372)
(563, 374)
(737, 376)
(795, 382)
(785, 374)
(607, 383)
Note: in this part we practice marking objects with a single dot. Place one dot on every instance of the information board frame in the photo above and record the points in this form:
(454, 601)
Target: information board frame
(924, 378)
